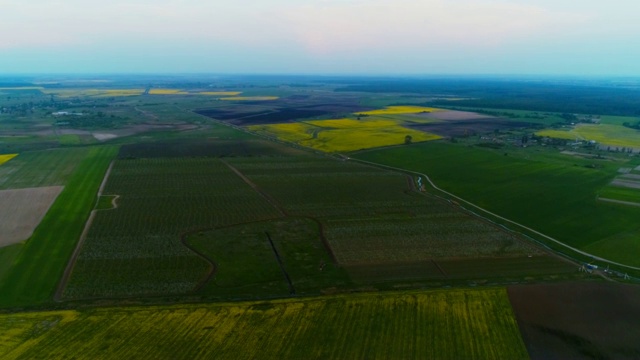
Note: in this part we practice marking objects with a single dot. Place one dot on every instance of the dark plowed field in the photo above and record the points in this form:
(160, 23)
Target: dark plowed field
(203, 148)
(470, 127)
(279, 112)
(578, 320)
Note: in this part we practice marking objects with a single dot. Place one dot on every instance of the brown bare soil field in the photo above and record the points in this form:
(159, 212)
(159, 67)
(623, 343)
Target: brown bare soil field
(470, 127)
(21, 210)
(578, 320)
(140, 128)
(455, 115)
(628, 183)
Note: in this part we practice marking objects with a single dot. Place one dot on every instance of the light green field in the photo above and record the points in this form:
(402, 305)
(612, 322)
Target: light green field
(605, 134)
(451, 324)
(40, 168)
(621, 193)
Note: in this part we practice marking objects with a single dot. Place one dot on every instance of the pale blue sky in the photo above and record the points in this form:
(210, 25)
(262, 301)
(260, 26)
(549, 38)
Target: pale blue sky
(567, 37)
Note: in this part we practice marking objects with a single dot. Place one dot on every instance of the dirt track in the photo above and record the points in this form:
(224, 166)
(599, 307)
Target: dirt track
(578, 320)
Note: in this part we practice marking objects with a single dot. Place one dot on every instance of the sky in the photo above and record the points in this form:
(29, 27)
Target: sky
(359, 37)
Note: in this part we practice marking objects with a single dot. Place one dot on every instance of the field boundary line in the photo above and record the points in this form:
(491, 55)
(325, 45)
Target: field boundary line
(255, 187)
(584, 253)
(76, 252)
(630, 203)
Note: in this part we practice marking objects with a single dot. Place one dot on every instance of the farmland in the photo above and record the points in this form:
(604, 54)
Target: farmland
(344, 134)
(159, 200)
(560, 195)
(200, 225)
(437, 324)
(237, 221)
(606, 134)
(6, 157)
(37, 268)
(22, 211)
(40, 168)
(559, 321)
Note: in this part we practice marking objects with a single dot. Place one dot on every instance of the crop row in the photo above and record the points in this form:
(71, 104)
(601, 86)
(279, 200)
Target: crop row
(136, 248)
(453, 324)
(410, 240)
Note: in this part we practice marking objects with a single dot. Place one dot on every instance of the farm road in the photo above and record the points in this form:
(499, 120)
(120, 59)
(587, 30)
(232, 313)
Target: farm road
(594, 257)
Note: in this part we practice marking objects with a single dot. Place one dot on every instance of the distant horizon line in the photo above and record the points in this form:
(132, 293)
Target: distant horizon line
(303, 74)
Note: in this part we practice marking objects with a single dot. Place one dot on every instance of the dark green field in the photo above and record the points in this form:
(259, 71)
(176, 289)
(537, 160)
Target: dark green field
(552, 193)
(188, 224)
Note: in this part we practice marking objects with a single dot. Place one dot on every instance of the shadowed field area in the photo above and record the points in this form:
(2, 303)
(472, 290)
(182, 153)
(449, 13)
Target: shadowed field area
(578, 320)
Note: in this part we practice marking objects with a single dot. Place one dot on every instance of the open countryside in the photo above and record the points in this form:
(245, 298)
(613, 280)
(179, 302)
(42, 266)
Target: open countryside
(333, 220)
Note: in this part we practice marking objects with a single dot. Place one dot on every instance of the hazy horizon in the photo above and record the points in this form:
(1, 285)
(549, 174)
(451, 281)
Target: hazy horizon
(321, 37)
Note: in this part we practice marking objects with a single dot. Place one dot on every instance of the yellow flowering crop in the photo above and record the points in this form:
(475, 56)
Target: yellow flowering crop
(6, 157)
(392, 110)
(340, 135)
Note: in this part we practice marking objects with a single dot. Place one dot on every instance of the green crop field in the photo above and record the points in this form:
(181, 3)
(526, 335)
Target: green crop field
(552, 193)
(452, 324)
(40, 168)
(36, 270)
(181, 225)
(246, 266)
(620, 193)
(373, 221)
(136, 249)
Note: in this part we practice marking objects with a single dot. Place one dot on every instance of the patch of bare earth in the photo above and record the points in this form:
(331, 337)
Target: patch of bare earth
(21, 210)
(454, 115)
(627, 183)
(578, 320)
(141, 128)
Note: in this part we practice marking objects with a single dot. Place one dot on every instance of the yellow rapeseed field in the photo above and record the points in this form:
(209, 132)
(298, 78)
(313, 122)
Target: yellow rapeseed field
(393, 110)
(441, 324)
(220, 93)
(343, 135)
(6, 157)
(167, 92)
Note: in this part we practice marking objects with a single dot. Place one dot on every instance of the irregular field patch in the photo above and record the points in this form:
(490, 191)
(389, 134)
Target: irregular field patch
(452, 324)
(136, 249)
(372, 220)
(21, 210)
(578, 320)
